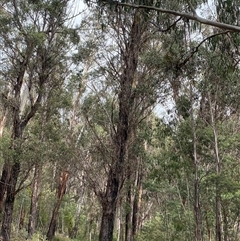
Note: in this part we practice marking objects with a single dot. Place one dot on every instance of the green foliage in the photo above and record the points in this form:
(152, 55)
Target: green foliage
(183, 106)
(169, 227)
(6, 152)
(67, 214)
(85, 51)
(227, 11)
(152, 230)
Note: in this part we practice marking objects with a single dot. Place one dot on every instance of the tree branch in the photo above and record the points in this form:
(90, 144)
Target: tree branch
(195, 49)
(168, 28)
(194, 17)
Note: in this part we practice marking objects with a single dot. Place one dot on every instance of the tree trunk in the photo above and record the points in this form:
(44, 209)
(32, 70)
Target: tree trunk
(137, 204)
(225, 225)
(78, 215)
(132, 176)
(9, 202)
(197, 209)
(195, 160)
(119, 221)
(34, 201)
(218, 219)
(13, 172)
(3, 182)
(2, 122)
(129, 215)
(5, 170)
(109, 208)
(125, 127)
(106, 231)
(22, 218)
(60, 192)
(218, 222)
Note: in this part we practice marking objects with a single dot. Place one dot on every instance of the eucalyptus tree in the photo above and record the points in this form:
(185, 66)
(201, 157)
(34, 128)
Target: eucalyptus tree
(34, 50)
(46, 137)
(227, 12)
(127, 77)
(219, 98)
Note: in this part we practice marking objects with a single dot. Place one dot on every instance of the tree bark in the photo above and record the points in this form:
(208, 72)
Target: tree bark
(129, 215)
(3, 183)
(34, 201)
(9, 202)
(137, 204)
(109, 208)
(3, 121)
(198, 236)
(22, 217)
(218, 219)
(5, 170)
(107, 223)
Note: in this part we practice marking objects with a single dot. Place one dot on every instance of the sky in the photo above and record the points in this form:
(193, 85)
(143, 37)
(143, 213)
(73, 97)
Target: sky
(78, 7)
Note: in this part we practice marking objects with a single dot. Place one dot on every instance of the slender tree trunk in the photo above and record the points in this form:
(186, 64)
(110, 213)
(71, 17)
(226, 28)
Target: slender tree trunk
(3, 121)
(22, 218)
(225, 224)
(6, 168)
(60, 192)
(129, 215)
(120, 221)
(218, 171)
(218, 219)
(197, 210)
(78, 215)
(34, 201)
(137, 204)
